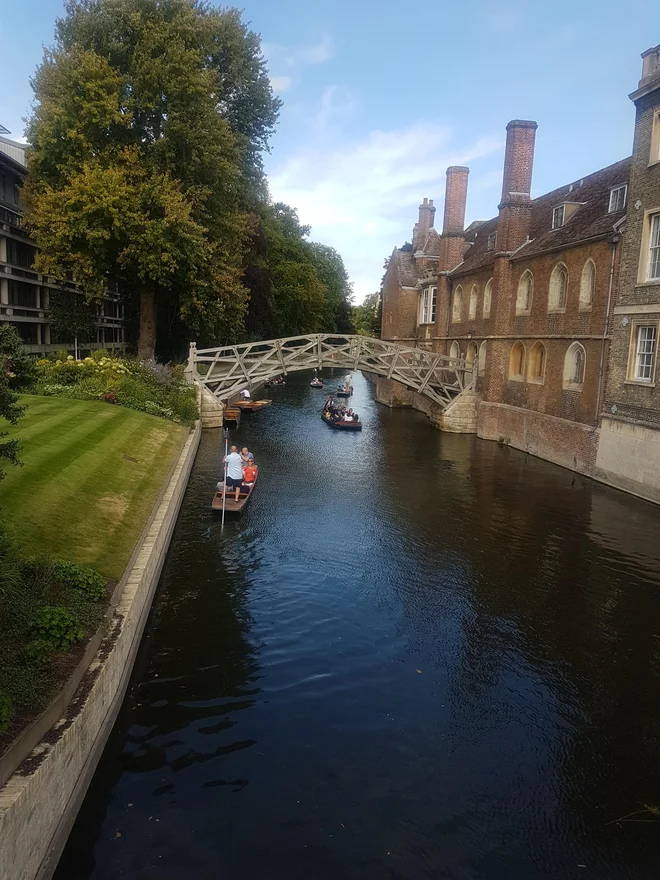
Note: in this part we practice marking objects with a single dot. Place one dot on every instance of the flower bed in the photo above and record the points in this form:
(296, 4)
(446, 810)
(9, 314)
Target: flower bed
(157, 389)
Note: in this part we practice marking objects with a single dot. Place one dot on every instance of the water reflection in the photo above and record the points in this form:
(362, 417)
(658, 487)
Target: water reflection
(417, 655)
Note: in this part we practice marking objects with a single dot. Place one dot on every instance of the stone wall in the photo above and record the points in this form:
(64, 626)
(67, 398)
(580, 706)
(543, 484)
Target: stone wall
(629, 457)
(39, 803)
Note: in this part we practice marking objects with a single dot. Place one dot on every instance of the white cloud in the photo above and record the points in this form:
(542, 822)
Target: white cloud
(279, 55)
(280, 83)
(360, 196)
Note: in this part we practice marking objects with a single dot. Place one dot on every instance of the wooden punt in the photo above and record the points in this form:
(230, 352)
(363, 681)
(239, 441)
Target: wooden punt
(231, 504)
(342, 425)
(316, 383)
(231, 414)
(252, 405)
(342, 392)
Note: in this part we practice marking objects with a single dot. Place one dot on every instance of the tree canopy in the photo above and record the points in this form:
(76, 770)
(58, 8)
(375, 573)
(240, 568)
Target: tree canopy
(146, 177)
(367, 316)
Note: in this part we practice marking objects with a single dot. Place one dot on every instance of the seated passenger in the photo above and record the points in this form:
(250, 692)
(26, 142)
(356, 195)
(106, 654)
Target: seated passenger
(245, 455)
(249, 473)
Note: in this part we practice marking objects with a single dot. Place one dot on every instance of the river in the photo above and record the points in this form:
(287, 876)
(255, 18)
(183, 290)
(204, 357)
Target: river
(416, 655)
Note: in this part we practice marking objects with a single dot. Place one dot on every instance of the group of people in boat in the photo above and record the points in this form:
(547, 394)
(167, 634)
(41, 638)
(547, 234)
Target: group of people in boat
(241, 471)
(336, 413)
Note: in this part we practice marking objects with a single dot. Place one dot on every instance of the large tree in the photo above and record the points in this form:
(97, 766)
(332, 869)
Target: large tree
(145, 170)
(16, 372)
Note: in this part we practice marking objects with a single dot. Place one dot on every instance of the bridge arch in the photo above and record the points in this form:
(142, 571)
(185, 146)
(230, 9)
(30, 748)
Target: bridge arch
(225, 370)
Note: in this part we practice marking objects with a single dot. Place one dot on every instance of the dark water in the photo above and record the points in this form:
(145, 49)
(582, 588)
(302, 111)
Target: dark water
(417, 655)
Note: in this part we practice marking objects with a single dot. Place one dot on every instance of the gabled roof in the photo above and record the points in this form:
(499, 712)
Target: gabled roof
(591, 219)
(432, 244)
(477, 255)
(406, 271)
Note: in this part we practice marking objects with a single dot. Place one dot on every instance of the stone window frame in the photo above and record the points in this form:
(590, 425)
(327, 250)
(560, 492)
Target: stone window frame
(654, 153)
(473, 302)
(473, 348)
(553, 290)
(644, 249)
(537, 353)
(481, 359)
(614, 198)
(528, 277)
(455, 351)
(572, 381)
(584, 303)
(428, 301)
(515, 360)
(488, 299)
(635, 325)
(457, 305)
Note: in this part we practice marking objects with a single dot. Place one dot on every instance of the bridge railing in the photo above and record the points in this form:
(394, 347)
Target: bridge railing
(226, 370)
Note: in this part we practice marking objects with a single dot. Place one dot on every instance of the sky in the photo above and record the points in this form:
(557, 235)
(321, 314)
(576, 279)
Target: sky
(380, 97)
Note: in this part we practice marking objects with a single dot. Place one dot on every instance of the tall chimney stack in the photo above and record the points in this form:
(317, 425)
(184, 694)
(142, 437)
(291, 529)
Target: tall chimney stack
(452, 241)
(424, 224)
(515, 208)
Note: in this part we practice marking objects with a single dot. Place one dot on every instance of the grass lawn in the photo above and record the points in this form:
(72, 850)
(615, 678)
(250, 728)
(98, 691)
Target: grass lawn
(91, 474)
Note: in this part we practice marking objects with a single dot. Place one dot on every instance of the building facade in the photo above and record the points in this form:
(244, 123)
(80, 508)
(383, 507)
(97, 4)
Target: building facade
(554, 301)
(629, 449)
(26, 295)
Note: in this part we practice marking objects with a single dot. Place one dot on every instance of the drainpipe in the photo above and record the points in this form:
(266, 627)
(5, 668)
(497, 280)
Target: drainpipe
(601, 366)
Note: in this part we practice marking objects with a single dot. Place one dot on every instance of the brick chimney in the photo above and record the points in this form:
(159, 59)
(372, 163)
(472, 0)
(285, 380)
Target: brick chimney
(423, 225)
(452, 240)
(515, 208)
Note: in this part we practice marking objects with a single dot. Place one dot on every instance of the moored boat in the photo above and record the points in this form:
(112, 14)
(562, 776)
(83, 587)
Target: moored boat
(252, 405)
(231, 504)
(316, 383)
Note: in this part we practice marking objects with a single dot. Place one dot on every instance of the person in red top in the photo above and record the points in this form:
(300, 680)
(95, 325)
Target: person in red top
(250, 471)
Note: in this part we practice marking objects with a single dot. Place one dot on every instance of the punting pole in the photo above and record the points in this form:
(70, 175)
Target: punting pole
(225, 434)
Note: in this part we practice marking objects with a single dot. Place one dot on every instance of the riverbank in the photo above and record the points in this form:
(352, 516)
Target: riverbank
(90, 477)
(39, 803)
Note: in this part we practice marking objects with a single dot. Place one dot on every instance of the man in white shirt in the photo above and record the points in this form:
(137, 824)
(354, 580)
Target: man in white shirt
(234, 471)
(245, 394)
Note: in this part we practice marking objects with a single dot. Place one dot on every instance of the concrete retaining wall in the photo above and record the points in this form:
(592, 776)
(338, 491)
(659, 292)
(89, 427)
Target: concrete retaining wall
(40, 801)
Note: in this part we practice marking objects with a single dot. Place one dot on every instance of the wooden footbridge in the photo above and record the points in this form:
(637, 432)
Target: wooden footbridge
(226, 370)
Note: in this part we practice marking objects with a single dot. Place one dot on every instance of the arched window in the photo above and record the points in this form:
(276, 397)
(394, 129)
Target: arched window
(574, 366)
(471, 355)
(455, 351)
(558, 293)
(457, 306)
(517, 362)
(587, 284)
(537, 363)
(474, 293)
(488, 296)
(482, 358)
(525, 290)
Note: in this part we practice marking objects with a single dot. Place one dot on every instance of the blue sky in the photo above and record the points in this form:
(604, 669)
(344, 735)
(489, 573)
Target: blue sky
(379, 97)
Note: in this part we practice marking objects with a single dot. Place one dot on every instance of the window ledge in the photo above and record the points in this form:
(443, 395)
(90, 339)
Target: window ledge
(537, 381)
(639, 383)
(571, 386)
(653, 163)
(524, 313)
(516, 378)
(425, 323)
(557, 311)
(651, 282)
(586, 308)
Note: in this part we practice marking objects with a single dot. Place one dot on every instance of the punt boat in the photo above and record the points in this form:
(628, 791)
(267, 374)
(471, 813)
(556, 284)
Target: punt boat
(231, 504)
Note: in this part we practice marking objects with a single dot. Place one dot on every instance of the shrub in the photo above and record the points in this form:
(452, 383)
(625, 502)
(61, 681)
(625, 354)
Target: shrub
(54, 629)
(80, 578)
(158, 389)
(6, 713)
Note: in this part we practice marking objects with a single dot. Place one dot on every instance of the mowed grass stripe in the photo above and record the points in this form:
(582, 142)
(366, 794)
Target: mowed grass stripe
(80, 496)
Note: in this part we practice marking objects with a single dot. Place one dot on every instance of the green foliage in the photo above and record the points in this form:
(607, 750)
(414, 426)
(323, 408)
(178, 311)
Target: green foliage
(147, 129)
(16, 372)
(366, 318)
(54, 629)
(80, 578)
(158, 389)
(296, 286)
(6, 712)
(71, 316)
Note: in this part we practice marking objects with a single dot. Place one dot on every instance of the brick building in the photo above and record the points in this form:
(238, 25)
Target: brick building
(555, 301)
(26, 295)
(629, 449)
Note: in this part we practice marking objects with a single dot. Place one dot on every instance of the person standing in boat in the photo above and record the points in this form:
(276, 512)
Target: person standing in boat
(245, 394)
(234, 471)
